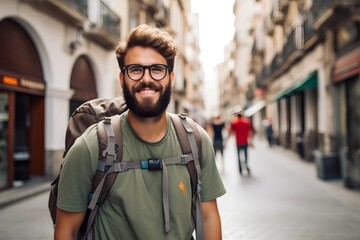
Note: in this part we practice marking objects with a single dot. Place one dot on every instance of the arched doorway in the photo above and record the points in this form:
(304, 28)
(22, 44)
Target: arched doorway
(22, 89)
(82, 82)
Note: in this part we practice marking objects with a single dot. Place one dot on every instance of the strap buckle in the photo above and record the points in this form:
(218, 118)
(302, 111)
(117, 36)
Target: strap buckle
(151, 164)
(183, 159)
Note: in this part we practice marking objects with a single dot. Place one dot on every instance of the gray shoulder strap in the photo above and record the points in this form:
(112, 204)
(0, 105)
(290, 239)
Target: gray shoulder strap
(111, 147)
(190, 139)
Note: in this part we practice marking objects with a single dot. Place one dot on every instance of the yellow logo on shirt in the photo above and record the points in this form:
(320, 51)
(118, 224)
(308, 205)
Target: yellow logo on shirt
(182, 187)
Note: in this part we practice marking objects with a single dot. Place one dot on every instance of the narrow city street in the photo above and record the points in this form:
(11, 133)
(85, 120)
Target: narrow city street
(283, 199)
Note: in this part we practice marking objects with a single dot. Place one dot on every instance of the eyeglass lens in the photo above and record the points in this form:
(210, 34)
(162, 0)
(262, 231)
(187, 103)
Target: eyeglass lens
(136, 72)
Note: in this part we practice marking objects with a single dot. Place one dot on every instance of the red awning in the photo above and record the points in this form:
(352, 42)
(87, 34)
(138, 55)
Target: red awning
(347, 65)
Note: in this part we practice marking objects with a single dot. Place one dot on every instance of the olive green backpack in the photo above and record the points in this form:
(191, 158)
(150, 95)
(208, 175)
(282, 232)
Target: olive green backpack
(106, 113)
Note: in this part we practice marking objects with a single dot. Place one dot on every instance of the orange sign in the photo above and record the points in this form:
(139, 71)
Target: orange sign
(10, 81)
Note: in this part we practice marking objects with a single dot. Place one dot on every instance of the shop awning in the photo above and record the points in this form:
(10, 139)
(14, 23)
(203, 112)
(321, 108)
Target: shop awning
(310, 82)
(347, 66)
(254, 108)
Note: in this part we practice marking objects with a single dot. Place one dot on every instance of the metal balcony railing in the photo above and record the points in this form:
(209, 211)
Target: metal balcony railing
(309, 29)
(276, 63)
(262, 77)
(294, 43)
(319, 6)
(79, 5)
(109, 20)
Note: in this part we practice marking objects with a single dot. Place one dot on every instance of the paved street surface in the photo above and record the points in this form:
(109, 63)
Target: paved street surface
(282, 200)
(25, 220)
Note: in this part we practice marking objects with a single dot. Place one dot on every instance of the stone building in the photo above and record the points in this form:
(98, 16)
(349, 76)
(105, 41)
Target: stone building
(304, 76)
(55, 55)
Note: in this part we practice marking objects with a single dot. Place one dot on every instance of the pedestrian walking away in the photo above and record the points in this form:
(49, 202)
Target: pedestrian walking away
(154, 199)
(216, 128)
(243, 130)
(268, 130)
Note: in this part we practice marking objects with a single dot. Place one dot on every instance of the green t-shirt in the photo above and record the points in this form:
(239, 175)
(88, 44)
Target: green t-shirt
(133, 208)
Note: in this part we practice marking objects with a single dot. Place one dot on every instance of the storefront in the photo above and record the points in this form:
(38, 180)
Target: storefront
(346, 79)
(22, 104)
(297, 121)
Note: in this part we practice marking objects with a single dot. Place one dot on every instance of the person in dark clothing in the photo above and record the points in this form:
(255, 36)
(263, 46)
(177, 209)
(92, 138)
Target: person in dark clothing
(218, 125)
(268, 131)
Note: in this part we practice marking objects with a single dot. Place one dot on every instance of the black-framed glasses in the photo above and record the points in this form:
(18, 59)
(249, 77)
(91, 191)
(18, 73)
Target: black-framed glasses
(136, 71)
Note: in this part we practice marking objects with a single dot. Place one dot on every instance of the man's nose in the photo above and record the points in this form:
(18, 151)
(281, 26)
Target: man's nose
(147, 76)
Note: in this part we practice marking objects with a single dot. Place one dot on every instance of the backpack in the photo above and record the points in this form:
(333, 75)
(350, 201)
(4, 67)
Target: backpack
(105, 112)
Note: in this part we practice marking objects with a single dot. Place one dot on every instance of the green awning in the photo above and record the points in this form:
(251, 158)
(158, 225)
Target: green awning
(310, 82)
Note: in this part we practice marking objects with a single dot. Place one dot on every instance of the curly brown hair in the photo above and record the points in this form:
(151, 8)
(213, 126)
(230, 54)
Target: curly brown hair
(148, 36)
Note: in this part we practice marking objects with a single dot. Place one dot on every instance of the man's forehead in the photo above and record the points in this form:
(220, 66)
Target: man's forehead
(143, 55)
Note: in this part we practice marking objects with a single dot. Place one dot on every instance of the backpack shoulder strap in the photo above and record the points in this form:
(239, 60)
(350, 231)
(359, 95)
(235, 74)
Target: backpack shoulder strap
(191, 143)
(189, 137)
(110, 150)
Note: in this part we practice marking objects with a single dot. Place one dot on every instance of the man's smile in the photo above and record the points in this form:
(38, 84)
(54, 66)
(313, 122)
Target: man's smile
(147, 90)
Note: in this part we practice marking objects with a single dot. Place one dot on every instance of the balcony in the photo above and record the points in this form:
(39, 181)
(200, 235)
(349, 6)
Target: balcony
(294, 46)
(257, 53)
(310, 33)
(73, 11)
(276, 64)
(262, 77)
(329, 12)
(106, 31)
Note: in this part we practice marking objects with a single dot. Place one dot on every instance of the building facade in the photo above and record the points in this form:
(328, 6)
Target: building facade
(306, 80)
(54, 56)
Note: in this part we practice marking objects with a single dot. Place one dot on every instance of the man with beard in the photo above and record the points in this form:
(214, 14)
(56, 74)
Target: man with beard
(133, 208)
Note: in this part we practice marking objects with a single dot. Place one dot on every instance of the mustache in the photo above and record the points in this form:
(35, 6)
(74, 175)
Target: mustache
(147, 85)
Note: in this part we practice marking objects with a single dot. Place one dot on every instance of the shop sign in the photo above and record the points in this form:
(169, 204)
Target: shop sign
(21, 84)
(347, 66)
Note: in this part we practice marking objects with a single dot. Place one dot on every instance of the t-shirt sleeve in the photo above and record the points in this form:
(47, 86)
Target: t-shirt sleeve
(211, 184)
(77, 172)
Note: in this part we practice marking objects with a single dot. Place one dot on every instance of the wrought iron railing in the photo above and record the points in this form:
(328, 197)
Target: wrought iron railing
(319, 6)
(110, 20)
(294, 42)
(262, 76)
(276, 63)
(80, 5)
(309, 29)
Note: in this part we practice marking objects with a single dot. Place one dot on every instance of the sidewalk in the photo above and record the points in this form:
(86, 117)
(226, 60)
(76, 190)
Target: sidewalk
(284, 199)
(31, 188)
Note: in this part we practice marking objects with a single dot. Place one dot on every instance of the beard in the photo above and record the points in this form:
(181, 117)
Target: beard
(147, 108)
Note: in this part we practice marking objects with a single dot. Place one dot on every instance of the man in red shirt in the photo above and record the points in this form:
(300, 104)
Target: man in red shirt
(243, 130)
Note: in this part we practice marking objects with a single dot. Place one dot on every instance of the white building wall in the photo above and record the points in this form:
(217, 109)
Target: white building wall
(52, 38)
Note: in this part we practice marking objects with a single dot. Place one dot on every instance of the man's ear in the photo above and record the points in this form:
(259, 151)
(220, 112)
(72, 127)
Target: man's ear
(121, 77)
(172, 79)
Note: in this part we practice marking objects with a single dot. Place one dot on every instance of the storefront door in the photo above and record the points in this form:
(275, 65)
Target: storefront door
(353, 128)
(21, 156)
(4, 135)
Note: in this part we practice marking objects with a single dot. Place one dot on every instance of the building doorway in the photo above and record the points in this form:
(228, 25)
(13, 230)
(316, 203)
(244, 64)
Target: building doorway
(22, 107)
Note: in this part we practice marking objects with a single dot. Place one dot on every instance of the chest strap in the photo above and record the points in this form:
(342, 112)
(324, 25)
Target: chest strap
(125, 166)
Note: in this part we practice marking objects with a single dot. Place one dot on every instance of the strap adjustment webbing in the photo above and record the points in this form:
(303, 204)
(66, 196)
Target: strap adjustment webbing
(127, 165)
